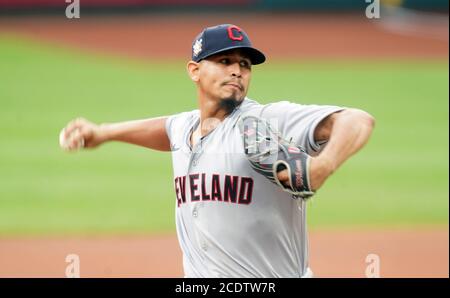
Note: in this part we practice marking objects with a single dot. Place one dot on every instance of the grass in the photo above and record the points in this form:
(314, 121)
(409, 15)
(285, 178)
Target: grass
(400, 178)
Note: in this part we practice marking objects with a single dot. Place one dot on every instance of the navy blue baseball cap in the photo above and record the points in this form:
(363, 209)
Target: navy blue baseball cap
(216, 39)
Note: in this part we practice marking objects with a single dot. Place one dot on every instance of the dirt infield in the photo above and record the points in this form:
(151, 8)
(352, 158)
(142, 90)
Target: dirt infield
(279, 36)
(402, 253)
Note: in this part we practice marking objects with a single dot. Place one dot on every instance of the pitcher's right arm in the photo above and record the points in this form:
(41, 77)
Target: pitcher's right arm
(149, 133)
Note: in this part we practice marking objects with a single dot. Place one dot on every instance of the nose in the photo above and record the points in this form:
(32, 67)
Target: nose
(235, 69)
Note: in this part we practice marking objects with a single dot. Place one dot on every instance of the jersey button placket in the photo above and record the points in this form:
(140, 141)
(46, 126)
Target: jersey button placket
(194, 158)
(196, 153)
(195, 212)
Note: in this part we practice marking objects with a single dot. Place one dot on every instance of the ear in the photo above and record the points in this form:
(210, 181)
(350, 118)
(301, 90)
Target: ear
(193, 70)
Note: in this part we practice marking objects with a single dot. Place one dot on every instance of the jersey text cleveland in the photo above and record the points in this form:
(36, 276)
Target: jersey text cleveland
(203, 187)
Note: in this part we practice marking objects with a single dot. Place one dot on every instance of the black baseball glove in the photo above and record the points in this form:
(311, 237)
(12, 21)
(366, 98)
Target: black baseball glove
(269, 154)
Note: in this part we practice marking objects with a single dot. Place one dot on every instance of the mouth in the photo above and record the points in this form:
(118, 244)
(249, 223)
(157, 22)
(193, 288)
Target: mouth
(235, 85)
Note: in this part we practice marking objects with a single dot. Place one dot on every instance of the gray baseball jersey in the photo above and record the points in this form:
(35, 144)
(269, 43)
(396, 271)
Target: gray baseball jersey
(231, 221)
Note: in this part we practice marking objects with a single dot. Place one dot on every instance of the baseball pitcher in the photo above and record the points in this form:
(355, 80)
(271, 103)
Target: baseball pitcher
(242, 171)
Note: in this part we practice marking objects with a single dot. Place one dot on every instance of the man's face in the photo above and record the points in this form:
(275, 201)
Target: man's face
(225, 76)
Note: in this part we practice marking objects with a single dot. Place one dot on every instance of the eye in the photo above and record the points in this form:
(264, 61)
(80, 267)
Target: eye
(225, 61)
(246, 64)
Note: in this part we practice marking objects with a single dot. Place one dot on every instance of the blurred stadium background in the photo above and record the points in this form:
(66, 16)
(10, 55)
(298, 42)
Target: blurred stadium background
(121, 60)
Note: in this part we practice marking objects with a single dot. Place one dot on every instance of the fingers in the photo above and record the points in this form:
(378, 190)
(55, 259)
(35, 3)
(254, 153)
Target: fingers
(74, 141)
(78, 123)
(71, 137)
(283, 176)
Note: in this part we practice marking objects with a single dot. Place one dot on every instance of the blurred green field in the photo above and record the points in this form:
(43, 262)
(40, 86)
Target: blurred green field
(400, 178)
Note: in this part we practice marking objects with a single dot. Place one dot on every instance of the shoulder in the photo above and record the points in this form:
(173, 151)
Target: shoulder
(269, 110)
(177, 123)
(286, 108)
(274, 108)
(183, 118)
(249, 105)
(254, 108)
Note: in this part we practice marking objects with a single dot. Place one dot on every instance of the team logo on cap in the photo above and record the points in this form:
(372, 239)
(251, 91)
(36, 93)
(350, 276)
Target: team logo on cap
(197, 48)
(232, 35)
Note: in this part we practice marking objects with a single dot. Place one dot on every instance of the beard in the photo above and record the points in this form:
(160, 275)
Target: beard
(229, 104)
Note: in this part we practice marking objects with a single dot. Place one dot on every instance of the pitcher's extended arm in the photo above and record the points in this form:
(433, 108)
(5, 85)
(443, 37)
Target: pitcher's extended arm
(81, 133)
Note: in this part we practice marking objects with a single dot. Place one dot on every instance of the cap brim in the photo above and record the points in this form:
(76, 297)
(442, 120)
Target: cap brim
(255, 56)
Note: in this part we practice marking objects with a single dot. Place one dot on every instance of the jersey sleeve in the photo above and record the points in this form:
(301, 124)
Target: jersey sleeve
(176, 127)
(298, 122)
(169, 125)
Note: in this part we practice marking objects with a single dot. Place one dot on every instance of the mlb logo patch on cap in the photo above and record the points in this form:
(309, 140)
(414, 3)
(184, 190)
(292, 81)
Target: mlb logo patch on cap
(197, 48)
